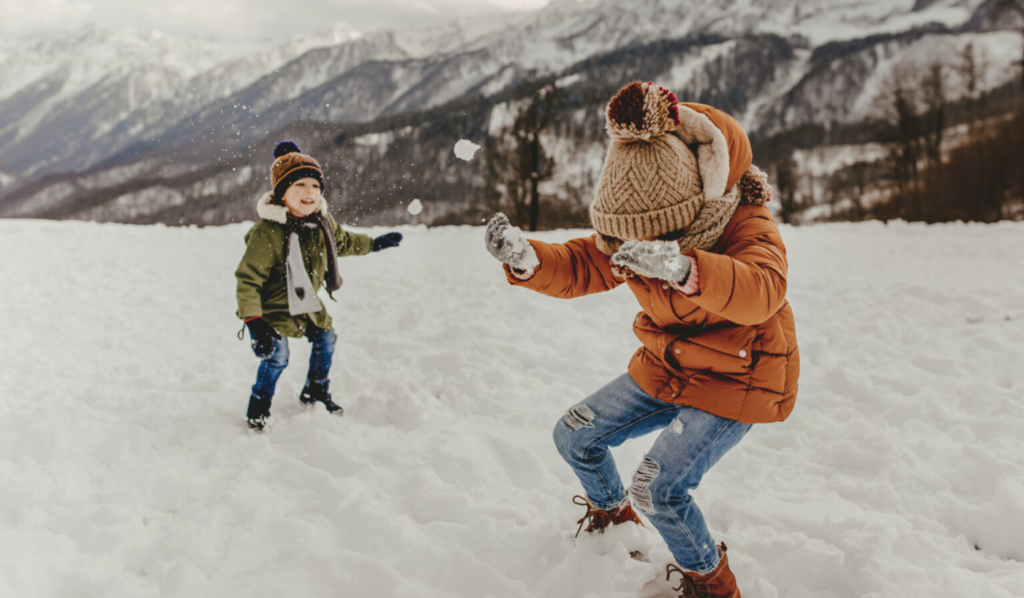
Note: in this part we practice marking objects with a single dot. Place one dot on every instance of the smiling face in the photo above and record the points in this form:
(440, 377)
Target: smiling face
(303, 197)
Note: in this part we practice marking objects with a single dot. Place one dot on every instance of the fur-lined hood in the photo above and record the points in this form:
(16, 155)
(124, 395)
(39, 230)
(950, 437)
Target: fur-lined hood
(277, 212)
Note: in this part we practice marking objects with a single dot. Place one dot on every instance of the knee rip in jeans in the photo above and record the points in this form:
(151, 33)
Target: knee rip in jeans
(640, 489)
(578, 417)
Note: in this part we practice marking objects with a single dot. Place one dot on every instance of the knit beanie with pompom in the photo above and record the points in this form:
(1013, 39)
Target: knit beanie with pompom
(671, 171)
(290, 165)
(650, 184)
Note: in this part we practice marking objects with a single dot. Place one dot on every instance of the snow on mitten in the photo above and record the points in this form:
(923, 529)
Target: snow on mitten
(506, 243)
(653, 259)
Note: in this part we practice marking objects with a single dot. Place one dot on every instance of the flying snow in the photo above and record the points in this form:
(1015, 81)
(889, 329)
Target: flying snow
(415, 207)
(465, 149)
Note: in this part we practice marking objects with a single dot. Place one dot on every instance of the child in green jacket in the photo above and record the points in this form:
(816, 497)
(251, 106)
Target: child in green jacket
(289, 254)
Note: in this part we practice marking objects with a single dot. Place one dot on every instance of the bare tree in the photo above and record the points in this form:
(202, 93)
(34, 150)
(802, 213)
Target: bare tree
(987, 195)
(970, 74)
(975, 181)
(785, 189)
(504, 186)
(934, 118)
(517, 163)
(898, 103)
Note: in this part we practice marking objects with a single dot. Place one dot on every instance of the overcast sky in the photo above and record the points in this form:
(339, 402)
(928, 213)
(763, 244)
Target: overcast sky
(240, 18)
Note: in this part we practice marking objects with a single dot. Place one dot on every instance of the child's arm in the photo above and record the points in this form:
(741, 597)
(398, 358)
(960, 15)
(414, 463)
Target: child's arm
(747, 284)
(254, 270)
(573, 269)
(565, 271)
(351, 243)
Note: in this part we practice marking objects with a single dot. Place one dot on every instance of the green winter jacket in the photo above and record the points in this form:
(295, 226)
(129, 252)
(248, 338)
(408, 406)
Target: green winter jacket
(262, 283)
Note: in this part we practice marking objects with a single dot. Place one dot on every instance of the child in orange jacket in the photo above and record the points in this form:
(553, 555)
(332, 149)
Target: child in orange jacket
(680, 219)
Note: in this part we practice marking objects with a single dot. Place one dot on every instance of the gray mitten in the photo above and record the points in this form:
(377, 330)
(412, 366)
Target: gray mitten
(653, 259)
(506, 243)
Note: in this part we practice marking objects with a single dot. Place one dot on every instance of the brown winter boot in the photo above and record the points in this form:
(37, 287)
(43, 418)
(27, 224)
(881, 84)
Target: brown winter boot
(720, 583)
(598, 519)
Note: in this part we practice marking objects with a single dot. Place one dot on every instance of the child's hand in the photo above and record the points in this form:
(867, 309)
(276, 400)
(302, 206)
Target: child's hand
(653, 259)
(507, 245)
(387, 240)
(262, 335)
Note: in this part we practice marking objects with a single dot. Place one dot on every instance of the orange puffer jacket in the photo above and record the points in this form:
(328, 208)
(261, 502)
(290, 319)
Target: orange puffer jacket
(730, 349)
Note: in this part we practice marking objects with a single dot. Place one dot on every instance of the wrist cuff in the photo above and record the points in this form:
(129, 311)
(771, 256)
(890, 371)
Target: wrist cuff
(526, 274)
(692, 284)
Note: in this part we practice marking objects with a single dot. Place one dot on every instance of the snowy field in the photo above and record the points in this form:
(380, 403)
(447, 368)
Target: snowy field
(127, 470)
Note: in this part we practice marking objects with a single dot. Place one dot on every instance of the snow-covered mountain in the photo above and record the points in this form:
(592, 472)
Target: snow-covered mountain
(374, 167)
(843, 81)
(68, 88)
(68, 101)
(539, 43)
(775, 64)
(567, 30)
(92, 54)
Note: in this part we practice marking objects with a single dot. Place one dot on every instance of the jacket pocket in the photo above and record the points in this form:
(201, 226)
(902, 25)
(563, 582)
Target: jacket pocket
(728, 351)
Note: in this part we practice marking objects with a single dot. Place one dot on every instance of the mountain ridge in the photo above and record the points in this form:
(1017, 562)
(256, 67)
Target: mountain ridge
(144, 101)
(199, 169)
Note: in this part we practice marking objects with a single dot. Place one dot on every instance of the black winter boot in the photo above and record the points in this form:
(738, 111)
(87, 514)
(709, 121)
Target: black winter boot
(319, 391)
(259, 411)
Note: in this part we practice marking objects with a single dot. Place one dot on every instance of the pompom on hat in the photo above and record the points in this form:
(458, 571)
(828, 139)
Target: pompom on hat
(640, 111)
(290, 165)
(671, 170)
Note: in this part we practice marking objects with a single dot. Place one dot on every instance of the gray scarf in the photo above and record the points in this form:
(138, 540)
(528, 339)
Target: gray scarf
(301, 294)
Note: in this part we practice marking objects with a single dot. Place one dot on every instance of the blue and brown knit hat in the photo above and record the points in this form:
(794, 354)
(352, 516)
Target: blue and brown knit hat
(290, 165)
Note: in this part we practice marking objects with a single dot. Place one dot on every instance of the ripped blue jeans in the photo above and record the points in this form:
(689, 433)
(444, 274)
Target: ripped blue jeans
(691, 441)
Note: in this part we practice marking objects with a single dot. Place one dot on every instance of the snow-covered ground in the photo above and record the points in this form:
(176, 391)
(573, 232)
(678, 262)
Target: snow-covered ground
(127, 470)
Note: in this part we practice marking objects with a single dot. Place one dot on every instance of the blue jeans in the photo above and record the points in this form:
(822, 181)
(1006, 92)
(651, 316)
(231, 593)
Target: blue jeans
(691, 441)
(319, 362)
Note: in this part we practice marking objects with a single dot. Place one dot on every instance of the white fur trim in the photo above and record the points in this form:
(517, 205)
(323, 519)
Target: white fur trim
(278, 213)
(712, 153)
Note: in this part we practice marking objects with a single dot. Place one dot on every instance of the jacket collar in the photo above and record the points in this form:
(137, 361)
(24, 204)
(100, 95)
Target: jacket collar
(278, 213)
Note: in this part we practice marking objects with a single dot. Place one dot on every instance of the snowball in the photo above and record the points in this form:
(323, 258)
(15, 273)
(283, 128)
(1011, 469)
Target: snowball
(653, 259)
(513, 235)
(465, 149)
(415, 207)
